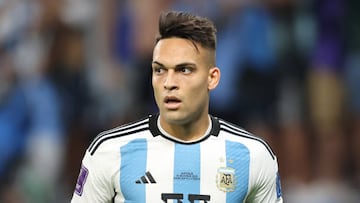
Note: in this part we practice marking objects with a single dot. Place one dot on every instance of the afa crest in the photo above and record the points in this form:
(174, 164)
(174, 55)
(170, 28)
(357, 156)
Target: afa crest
(225, 179)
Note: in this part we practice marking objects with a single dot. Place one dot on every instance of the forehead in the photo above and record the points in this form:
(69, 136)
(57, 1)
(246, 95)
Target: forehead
(177, 50)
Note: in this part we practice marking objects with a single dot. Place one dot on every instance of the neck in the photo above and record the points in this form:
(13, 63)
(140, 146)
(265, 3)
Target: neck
(189, 131)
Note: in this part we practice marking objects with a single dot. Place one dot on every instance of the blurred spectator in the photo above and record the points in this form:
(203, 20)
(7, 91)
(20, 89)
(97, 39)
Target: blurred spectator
(246, 56)
(326, 91)
(326, 102)
(13, 123)
(293, 35)
(245, 51)
(67, 69)
(42, 136)
(352, 77)
(131, 34)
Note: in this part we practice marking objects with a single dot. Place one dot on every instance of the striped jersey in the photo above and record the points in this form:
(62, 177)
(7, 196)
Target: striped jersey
(141, 163)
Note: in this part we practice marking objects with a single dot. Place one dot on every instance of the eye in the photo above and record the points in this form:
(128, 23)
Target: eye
(158, 70)
(185, 69)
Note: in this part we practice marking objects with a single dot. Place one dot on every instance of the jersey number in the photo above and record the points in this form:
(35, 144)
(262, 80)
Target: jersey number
(179, 197)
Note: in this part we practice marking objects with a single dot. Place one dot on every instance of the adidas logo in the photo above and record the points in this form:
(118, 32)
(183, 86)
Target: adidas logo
(147, 178)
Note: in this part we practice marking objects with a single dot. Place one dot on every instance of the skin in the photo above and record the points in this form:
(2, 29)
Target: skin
(182, 78)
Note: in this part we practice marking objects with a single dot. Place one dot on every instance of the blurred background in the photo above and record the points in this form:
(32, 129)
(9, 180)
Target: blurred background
(70, 69)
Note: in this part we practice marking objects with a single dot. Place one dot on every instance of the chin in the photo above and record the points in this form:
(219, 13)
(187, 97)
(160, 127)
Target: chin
(175, 118)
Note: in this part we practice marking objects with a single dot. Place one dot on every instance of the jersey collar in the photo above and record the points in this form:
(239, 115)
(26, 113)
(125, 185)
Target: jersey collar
(155, 131)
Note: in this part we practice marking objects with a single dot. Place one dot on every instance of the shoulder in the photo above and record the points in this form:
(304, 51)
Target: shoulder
(120, 134)
(255, 144)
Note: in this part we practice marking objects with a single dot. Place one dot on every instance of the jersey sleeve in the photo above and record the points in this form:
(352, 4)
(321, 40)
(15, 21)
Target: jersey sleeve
(265, 186)
(94, 183)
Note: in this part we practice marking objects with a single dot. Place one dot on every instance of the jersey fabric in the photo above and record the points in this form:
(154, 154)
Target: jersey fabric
(140, 163)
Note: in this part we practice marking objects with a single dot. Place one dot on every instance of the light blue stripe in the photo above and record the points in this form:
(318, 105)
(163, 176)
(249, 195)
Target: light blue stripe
(187, 169)
(133, 166)
(238, 158)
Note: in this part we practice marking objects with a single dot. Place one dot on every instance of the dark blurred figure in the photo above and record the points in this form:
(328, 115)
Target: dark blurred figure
(293, 30)
(13, 127)
(130, 32)
(325, 99)
(246, 57)
(352, 77)
(67, 68)
(326, 92)
(35, 131)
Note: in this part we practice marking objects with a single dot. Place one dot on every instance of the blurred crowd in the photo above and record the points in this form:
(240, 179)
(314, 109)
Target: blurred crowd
(70, 69)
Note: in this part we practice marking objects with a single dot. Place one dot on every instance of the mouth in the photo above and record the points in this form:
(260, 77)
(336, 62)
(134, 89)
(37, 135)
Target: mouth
(172, 102)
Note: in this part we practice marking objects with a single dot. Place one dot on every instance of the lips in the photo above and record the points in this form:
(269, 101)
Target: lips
(172, 102)
(171, 99)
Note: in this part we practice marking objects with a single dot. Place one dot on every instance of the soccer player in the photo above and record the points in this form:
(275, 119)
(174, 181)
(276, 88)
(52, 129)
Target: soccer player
(181, 154)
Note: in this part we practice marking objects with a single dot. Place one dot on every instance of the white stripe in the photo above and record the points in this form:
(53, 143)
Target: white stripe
(123, 126)
(213, 156)
(238, 130)
(160, 163)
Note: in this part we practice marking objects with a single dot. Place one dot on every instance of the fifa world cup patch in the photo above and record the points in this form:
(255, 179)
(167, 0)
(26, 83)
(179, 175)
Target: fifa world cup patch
(225, 179)
(81, 180)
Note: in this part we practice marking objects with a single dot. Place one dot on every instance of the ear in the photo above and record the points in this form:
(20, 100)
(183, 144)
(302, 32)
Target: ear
(214, 78)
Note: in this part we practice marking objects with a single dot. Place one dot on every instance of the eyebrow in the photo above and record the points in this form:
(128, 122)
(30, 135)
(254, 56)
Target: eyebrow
(178, 65)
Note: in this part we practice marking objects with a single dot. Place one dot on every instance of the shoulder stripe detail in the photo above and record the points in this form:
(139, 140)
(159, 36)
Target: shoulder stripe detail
(126, 126)
(233, 129)
(115, 135)
(118, 129)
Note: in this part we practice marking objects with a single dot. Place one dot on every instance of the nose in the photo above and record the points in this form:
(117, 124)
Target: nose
(170, 81)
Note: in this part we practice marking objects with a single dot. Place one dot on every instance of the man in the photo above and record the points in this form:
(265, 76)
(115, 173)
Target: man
(183, 154)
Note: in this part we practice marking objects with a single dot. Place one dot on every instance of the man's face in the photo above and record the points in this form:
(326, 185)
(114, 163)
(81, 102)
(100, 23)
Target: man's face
(182, 77)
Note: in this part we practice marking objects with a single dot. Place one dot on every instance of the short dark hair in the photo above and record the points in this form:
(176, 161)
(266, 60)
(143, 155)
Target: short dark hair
(187, 26)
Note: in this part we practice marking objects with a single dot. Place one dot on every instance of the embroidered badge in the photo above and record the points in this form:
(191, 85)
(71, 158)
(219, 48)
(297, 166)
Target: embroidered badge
(81, 180)
(226, 179)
